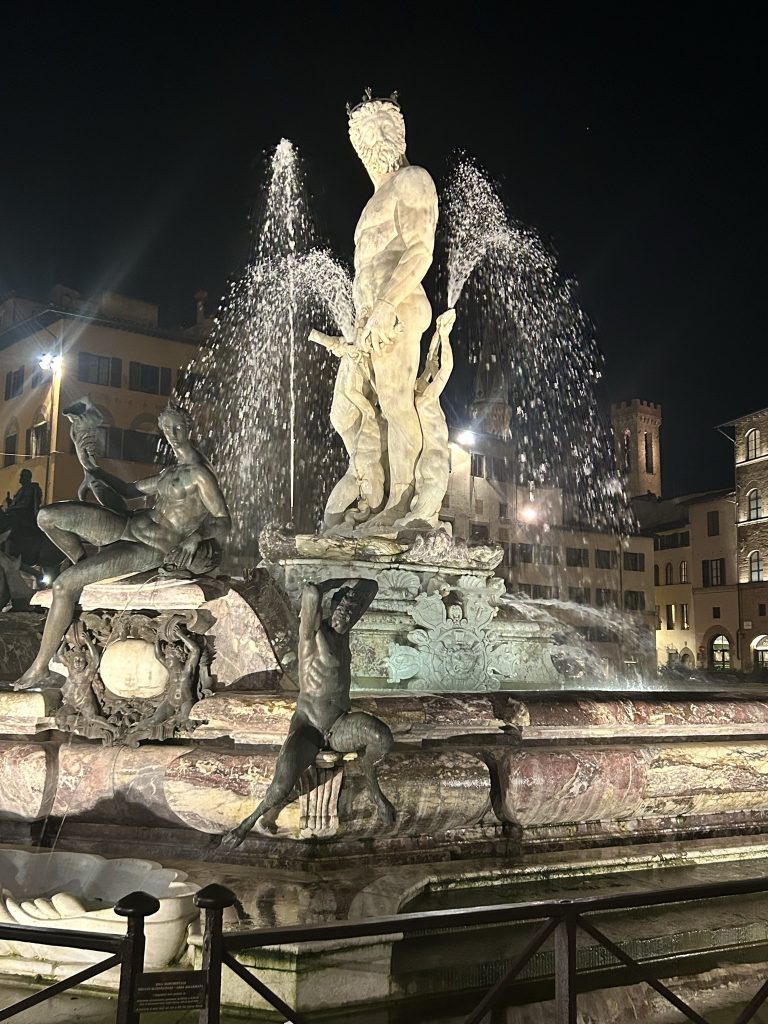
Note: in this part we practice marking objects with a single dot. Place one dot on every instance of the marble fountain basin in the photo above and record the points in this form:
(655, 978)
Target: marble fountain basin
(77, 891)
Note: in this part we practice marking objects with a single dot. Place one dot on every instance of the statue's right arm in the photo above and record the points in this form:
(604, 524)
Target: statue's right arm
(311, 611)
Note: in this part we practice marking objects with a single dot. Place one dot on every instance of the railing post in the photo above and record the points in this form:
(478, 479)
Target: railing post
(213, 899)
(135, 907)
(565, 969)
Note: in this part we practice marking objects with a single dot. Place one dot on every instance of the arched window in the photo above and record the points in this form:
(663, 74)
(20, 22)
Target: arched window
(683, 571)
(669, 575)
(752, 438)
(656, 575)
(755, 567)
(720, 654)
(754, 504)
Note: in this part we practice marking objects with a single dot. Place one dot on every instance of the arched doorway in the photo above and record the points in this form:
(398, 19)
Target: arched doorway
(720, 653)
(760, 653)
(686, 658)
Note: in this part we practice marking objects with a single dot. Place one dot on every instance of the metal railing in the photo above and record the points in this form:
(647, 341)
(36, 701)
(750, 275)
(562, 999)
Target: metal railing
(127, 954)
(559, 919)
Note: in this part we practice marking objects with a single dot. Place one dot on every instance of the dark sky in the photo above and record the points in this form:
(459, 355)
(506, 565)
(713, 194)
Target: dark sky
(631, 136)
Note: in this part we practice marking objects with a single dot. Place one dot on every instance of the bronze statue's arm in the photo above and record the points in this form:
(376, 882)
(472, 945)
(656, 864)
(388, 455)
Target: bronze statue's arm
(123, 487)
(310, 614)
(365, 591)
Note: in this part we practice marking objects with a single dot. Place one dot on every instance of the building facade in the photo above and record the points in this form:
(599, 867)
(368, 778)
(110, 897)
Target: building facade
(110, 349)
(600, 584)
(750, 437)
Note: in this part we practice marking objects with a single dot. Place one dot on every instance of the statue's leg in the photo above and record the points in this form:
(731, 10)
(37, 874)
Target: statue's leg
(114, 560)
(395, 368)
(300, 749)
(69, 523)
(360, 731)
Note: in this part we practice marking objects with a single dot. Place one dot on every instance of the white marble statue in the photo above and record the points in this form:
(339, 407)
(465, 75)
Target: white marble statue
(356, 419)
(394, 242)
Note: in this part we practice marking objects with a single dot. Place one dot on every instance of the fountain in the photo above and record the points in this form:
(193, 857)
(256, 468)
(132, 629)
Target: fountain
(438, 750)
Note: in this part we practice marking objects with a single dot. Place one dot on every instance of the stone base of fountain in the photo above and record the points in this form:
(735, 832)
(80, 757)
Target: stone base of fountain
(486, 782)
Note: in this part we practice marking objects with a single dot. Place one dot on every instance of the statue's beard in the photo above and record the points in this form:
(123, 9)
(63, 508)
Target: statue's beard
(382, 157)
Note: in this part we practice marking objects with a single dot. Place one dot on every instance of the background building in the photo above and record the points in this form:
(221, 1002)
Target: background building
(750, 436)
(109, 348)
(599, 583)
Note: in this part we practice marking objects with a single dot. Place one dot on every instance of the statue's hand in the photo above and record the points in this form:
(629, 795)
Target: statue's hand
(181, 556)
(381, 327)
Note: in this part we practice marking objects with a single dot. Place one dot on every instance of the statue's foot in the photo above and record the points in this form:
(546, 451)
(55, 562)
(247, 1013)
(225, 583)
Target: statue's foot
(32, 679)
(387, 812)
(232, 839)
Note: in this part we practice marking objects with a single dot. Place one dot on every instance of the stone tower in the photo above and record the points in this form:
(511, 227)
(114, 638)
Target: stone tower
(636, 425)
(490, 411)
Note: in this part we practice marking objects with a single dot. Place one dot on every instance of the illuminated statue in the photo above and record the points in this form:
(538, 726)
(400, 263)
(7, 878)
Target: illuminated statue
(182, 532)
(394, 242)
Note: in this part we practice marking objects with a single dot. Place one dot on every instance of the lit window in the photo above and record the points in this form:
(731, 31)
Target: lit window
(720, 653)
(754, 448)
(683, 571)
(755, 567)
(685, 622)
(754, 504)
(627, 451)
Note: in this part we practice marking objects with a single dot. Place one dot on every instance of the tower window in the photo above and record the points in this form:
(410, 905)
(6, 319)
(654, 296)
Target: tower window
(648, 452)
(627, 451)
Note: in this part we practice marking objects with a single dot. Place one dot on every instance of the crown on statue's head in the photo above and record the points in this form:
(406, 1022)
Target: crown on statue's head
(368, 97)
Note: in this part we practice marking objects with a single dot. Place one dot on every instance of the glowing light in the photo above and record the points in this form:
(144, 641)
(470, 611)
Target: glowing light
(50, 362)
(466, 437)
(529, 514)
(46, 581)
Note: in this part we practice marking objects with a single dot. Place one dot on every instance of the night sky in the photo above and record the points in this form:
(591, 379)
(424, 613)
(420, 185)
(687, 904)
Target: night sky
(133, 147)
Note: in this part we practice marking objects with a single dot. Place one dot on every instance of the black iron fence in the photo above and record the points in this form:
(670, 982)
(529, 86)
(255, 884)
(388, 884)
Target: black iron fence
(141, 992)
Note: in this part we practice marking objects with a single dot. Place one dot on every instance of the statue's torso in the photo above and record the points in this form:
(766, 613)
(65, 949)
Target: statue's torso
(178, 510)
(324, 677)
(379, 239)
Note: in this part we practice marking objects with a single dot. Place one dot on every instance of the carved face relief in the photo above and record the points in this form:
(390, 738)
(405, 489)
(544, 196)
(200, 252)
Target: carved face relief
(377, 132)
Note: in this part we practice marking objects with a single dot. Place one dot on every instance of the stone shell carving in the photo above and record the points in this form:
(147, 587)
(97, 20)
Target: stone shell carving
(398, 583)
(452, 648)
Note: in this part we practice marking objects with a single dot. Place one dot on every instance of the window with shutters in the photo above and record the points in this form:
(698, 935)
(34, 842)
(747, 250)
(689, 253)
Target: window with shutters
(634, 561)
(577, 557)
(104, 370)
(477, 464)
(37, 440)
(713, 572)
(606, 559)
(153, 380)
(683, 571)
(9, 451)
(713, 523)
(685, 622)
(14, 383)
(634, 600)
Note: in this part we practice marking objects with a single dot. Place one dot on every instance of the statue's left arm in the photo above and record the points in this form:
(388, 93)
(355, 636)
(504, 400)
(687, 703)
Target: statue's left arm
(365, 591)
